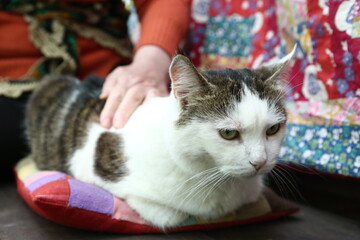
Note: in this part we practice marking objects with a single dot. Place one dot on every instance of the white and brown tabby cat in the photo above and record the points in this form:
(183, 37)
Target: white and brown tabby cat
(201, 151)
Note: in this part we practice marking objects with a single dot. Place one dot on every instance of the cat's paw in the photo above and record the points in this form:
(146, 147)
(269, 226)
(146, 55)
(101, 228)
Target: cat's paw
(157, 214)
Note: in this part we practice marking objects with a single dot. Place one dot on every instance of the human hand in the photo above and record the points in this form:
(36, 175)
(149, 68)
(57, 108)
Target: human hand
(126, 87)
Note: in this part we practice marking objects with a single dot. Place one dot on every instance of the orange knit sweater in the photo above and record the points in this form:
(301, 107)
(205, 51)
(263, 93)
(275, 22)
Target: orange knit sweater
(163, 23)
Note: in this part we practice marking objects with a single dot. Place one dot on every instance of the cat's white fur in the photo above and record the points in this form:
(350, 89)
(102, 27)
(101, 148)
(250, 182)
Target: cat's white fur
(160, 185)
(173, 172)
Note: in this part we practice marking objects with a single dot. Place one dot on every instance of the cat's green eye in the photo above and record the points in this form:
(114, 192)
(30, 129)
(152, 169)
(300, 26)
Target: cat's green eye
(229, 134)
(273, 129)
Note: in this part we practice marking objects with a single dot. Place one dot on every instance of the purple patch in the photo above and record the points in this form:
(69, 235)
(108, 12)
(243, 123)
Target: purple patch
(44, 180)
(90, 197)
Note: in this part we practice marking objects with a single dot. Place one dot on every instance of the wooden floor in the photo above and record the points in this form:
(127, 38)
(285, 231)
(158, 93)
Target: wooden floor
(330, 209)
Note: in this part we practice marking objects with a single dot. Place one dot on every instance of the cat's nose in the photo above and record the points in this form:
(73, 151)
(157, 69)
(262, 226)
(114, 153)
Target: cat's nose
(258, 164)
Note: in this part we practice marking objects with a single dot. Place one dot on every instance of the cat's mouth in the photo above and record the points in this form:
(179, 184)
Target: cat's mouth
(244, 171)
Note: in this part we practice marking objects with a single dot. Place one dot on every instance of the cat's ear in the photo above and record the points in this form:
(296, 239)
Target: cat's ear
(185, 77)
(278, 72)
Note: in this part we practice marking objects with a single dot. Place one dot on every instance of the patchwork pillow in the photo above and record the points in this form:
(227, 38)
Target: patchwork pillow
(65, 200)
(324, 87)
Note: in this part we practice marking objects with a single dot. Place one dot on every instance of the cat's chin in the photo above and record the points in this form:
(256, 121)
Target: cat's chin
(241, 175)
(245, 175)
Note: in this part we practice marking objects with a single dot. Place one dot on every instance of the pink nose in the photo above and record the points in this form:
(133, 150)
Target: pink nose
(258, 164)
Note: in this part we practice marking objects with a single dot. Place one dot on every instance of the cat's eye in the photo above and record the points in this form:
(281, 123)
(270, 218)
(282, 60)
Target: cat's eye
(229, 134)
(273, 129)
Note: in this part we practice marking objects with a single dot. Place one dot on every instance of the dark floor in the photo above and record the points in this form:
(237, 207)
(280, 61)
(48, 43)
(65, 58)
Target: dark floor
(330, 209)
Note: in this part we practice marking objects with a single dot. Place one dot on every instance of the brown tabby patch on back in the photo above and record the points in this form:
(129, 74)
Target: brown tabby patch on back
(57, 118)
(42, 110)
(109, 158)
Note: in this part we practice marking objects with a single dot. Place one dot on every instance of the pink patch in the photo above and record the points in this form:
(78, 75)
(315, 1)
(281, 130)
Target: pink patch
(122, 211)
(340, 118)
(37, 176)
(352, 104)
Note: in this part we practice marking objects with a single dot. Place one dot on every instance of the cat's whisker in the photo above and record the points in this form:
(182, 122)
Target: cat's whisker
(223, 179)
(212, 188)
(190, 194)
(197, 188)
(291, 179)
(288, 90)
(198, 184)
(278, 182)
(299, 167)
(214, 169)
(201, 185)
(198, 175)
(287, 185)
(280, 96)
(294, 75)
(289, 182)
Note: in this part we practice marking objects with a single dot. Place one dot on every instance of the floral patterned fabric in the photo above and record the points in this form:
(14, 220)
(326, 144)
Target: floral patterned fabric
(332, 149)
(324, 85)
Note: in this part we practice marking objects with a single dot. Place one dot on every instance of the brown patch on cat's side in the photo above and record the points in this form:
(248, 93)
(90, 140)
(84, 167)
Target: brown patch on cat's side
(109, 158)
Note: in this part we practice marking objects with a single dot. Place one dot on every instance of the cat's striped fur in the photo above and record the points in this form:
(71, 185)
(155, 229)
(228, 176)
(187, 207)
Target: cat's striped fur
(59, 114)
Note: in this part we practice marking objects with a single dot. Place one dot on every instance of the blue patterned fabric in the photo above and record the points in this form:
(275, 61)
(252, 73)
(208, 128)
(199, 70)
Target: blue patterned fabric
(229, 36)
(331, 149)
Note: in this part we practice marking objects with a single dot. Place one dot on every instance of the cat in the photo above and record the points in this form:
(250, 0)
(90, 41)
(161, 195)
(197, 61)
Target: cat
(201, 151)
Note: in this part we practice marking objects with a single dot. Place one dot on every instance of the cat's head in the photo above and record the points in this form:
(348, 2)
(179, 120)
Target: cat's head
(230, 119)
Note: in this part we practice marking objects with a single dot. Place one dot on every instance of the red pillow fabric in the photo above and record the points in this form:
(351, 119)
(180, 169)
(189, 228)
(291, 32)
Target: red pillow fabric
(65, 200)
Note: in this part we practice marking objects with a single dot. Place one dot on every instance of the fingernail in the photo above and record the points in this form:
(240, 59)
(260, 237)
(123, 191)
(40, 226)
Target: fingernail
(102, 95)
(106, 122)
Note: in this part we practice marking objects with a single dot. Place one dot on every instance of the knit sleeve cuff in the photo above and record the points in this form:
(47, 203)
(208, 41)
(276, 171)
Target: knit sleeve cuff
(164, 24)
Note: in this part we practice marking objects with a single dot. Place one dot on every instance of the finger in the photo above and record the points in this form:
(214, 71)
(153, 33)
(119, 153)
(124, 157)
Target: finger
(108, 112)
(110, 83)
(132, 99)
